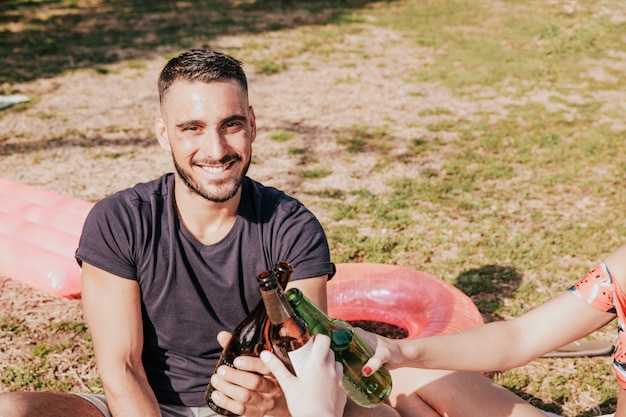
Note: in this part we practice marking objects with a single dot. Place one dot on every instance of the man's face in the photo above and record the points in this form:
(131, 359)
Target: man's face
(209, 128)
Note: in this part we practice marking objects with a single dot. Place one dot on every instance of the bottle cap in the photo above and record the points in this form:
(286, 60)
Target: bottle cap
(267, 280)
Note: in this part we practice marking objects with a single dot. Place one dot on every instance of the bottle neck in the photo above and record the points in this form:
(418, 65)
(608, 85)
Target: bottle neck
(283, 272)
(276, 305)
(339, 331)
(306, 309)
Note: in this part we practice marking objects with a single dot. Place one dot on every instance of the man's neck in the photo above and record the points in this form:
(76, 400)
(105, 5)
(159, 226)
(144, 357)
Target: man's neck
(207, 221)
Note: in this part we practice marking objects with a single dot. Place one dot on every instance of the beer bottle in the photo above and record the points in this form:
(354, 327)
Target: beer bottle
(349, 349)
(288, 334)
(250, 336)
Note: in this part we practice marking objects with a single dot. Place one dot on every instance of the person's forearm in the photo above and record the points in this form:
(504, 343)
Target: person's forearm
(482, 348)
(620, 411)
(130, 395)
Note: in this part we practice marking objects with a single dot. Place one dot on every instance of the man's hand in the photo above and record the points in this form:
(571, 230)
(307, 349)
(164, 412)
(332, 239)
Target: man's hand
(249, 390)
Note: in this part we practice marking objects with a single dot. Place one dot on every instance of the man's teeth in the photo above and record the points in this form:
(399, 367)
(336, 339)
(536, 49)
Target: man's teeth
(215, 170)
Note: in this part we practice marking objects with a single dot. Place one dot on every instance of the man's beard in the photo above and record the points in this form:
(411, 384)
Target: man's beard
(223, 191)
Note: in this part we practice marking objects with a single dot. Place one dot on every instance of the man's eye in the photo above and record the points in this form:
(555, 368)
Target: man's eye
(233, 126)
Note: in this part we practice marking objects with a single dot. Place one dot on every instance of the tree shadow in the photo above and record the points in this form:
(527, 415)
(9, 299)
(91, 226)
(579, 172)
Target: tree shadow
(487, 286)
(45, 38)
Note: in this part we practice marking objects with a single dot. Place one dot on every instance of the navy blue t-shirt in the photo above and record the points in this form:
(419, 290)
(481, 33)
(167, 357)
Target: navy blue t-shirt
(191, 291)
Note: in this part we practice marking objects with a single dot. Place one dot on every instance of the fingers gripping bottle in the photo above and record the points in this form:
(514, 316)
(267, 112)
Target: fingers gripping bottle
(250, 336)
(288, 334)
(349, 349)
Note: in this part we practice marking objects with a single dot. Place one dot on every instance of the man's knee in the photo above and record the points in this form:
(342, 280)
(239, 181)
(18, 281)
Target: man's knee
(45, 404)
(13, 404)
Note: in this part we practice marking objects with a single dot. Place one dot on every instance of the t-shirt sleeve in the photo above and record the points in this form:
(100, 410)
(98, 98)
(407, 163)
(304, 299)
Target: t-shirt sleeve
(303, 243)
(106, 241)
(596, 289)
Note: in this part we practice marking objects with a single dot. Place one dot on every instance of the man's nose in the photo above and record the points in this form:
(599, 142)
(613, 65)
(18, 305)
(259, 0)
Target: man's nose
(214, 145)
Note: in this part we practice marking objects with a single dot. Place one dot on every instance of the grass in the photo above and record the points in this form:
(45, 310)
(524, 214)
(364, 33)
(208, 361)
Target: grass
(282, 136)
(511, 203)
(40, 368)
(509, 41)
(519, 194)
(357, 139)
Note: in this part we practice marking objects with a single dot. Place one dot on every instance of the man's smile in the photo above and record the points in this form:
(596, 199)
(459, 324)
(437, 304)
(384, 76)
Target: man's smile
(216, 169)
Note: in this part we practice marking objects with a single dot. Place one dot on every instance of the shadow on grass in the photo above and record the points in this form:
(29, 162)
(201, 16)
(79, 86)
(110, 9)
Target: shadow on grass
(606, 407)
(488, 286)
(47, 37)
(552, 407)
(75, 141)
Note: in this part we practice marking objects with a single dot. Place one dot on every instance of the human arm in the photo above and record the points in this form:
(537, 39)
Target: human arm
(112, 309)
(620, 409)
(314, 289)
(318, 392)
(493, 346)
(615, 263)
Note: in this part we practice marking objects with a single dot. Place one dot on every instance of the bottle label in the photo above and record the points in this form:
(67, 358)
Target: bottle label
(300, 356)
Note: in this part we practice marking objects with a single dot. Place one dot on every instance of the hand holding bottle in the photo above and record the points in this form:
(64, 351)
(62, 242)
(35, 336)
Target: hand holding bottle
(389, 352)
(248, 339)
(318, 391)
(353, 353)
(247, 379)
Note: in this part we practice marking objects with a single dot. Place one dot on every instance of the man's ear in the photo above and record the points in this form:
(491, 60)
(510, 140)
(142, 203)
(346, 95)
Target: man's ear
(252, 118)
(160, 129)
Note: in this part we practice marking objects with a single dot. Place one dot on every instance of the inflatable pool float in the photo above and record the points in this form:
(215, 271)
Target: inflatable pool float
(39, 233)
(409, 299)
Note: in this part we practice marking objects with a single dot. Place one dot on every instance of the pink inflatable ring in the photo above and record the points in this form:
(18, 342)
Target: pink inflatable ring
(409, 299)
(39, 232)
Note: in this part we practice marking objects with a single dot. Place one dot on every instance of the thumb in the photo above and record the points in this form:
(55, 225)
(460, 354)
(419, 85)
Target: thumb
(223, 338)
(275, 365)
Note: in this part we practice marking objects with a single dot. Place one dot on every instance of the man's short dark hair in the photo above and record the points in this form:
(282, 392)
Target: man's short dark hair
(205, 65)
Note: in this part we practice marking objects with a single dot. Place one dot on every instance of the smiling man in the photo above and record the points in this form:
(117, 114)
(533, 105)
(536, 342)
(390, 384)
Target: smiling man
(174, 261)
(169, 266)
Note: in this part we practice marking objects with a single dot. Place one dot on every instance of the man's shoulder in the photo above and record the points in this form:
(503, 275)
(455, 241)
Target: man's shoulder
(135, 199)
(266, 191)
(143, 191)
(266, 196)
(270, 205)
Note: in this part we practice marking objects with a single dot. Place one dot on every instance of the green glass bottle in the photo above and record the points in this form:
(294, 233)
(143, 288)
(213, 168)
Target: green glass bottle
(349, 349)
(250, 337)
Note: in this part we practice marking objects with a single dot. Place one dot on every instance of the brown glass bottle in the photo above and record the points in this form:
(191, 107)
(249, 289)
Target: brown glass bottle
(251, 335)
(288, 334)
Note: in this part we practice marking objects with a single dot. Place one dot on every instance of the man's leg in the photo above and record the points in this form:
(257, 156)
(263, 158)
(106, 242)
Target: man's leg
(45, 404)
(454, 394)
